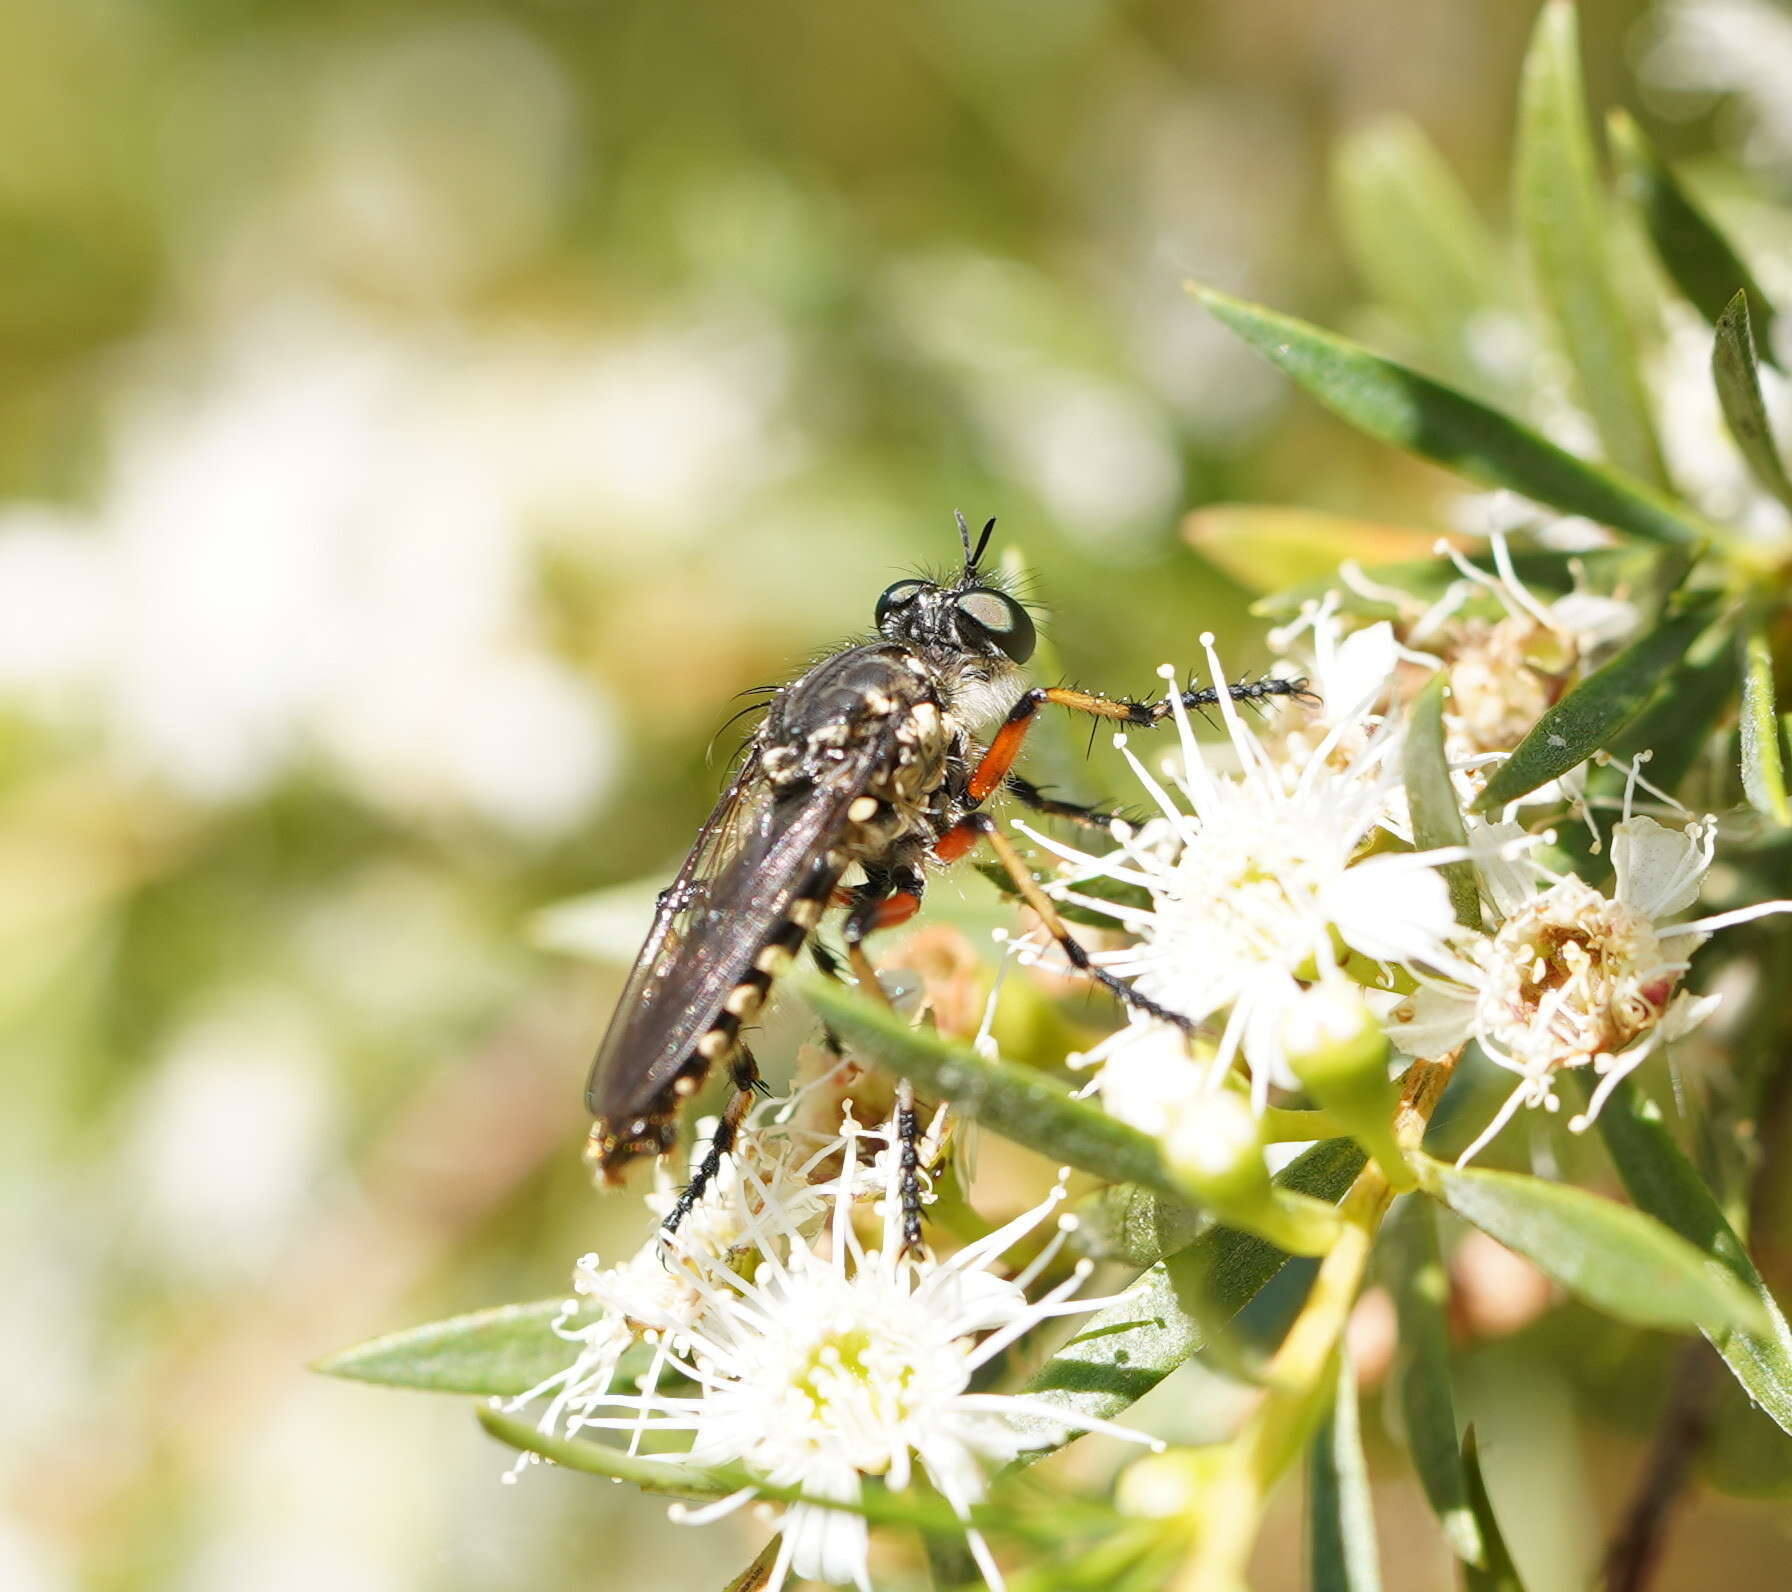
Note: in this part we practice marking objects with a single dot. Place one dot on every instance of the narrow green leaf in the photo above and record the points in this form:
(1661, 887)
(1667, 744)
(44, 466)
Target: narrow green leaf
(1738, 380)
(1342, 1553)
(1763, 769)
(1017, 1102)
(758, 1574)
(1137, 1225)
(1421, 1296)
(501, 1353)
(1692, 248)
(1264, 545)
(1664, 1183)
(1676, 727)
(1673, 735)
(1592, 715)
(1124, 1351)
(1561, 212)
(1118, 891)
(1416, 239)
(1436, 815)
(1425, 580)
(1397, 405)
(1497, 1573)
(1617, 1259)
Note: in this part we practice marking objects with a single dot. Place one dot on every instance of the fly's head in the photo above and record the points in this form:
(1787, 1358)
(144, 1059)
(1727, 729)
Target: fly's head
(963, 620)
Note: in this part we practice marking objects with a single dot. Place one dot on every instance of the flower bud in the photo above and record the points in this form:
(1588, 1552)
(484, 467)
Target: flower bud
(1168, 1486)
(1337, 1050)
(1214, 1145)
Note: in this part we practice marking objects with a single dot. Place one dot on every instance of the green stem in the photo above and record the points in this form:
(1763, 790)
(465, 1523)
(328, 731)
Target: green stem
(1302, 1375)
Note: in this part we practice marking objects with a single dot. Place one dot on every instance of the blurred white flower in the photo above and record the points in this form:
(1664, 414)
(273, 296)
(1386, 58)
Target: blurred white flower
(230, 1134)
(661, 432)
(815, 1371)
(1253, 879)
(1147, 1076)
(303, 547)
(58, 604)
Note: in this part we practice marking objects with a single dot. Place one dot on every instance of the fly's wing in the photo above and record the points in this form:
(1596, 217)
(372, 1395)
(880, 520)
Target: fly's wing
(739, 812)
(734, 890)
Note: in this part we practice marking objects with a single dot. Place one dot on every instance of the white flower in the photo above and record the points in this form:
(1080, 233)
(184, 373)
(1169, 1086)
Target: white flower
(1505, 670)
(306, 544)
(815, 1369)
(1351, 672)
(1253, 879)
(1506, 673)
(1570, 976)
(779, 1174)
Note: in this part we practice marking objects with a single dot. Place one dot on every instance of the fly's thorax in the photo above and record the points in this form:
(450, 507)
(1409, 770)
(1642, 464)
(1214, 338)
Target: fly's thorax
(883, 690)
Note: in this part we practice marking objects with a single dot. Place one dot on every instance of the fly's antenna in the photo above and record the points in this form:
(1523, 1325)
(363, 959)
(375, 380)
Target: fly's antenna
(971, 559)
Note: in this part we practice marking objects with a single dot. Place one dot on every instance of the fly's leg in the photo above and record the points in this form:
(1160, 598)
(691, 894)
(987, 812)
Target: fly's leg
(1003, 750)
(993, 771)
(743, 1071)
(829, 966)
(908, 1165)
(882, 904)
(1024, 790)
(965, 834)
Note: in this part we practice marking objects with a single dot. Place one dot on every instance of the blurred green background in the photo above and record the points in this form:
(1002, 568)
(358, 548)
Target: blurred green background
(416, 422)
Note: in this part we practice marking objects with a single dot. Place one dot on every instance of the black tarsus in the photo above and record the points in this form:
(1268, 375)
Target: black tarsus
(744, 1072)
(1252, 691)
(908, 1161)
(860, 920)
(1025, 791)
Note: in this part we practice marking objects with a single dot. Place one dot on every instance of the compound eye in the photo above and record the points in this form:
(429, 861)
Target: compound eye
(1002, 619)
(897, 596)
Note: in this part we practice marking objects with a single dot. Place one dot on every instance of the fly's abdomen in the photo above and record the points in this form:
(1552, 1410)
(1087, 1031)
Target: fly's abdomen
(732, 974)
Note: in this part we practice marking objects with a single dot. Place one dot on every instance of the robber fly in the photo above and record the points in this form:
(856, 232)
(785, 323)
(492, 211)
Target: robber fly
(874, 757)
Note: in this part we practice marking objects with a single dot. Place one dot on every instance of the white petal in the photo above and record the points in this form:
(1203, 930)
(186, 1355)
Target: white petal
(1595, 621)
(1686, 1012)
(1659, 870)
(1440, 1021)
(1510, 879)
(828, 1545)
(1360, 670)
(1390, 908)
